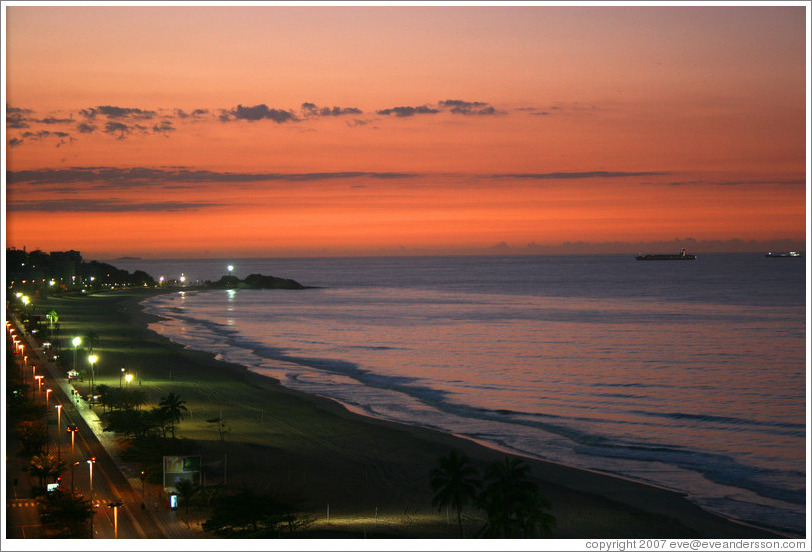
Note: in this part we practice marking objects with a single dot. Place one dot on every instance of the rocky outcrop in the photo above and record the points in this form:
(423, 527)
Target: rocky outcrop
(255, 281)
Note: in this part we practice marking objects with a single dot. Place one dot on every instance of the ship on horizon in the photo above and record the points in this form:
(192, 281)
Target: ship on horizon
(781, 254)
(681, 256)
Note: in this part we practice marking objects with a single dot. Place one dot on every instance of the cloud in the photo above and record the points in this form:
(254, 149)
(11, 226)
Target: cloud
(85, 128)
(53, 121)
(181, 114)
(113, 112)
(407, 111)
(143, 175)
(312, 110)
(461, 107)
(455, 107)
(39, 135)
(113, 127)
(14, 142)
(259, 112)
(574, 175)
(789, 182)
(105, 206)
(17, 117)
(164, 127)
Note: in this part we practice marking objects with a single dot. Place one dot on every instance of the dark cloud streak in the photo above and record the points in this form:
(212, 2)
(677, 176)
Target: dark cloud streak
(259, 112)
(105, 206)
(576, 175)
(142, 175)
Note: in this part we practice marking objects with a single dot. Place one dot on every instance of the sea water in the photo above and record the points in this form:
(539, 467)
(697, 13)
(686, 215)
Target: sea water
(690, 375)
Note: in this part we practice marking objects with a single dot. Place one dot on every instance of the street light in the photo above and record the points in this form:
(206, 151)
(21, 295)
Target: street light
(90, 465)
(143, 477)
(114, 506)
(128, 378)
(119, 378)
(47, 397)
(58, 432)
(92, 360)
(39, 381)
(76, 341)
(72, 429)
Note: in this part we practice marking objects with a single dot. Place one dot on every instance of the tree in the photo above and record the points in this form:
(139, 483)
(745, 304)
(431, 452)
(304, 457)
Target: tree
(221, 426)
(512, 502)
(32, 436)
(53, 320)
(248, 513)
(65, 515)
(454, 483)
(186, 490)
(129, 422)
(44, 466)
(161, 419)
(535, 520)
(174, 408)
(91, 339)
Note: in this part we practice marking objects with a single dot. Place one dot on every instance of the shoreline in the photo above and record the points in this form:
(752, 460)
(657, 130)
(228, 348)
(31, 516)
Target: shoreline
(316, 449)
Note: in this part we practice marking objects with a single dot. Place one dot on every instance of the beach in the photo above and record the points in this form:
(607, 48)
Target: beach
(369, 476)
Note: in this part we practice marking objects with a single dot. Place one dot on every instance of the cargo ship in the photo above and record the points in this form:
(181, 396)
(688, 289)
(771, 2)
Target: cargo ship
(681, 256)
(773, 255)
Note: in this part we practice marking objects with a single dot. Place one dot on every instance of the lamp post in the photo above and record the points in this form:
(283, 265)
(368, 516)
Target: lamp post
(119, 378)
(90, 465)
(58, 432)
(72, 429)
(48, 397)
(143, 477)
(92, 360)
(76, 341)
(114, 506)
(39, 382)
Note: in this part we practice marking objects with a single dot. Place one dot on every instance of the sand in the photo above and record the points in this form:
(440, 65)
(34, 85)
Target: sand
(372, 475)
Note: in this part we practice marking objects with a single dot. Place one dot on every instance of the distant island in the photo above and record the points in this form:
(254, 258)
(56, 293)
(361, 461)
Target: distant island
(128, 259)
(255, 281)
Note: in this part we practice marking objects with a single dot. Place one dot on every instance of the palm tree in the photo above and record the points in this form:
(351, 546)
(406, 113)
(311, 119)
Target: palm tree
(53, 319)
(174, 408)
(454, 483)
(91, 339)
(512, 502)
(44, 466)
(535, 520)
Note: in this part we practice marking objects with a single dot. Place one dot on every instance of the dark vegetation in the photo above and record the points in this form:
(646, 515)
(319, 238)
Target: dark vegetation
(511, 501)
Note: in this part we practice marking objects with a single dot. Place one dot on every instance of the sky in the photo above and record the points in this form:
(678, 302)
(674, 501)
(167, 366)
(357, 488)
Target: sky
(268, 130)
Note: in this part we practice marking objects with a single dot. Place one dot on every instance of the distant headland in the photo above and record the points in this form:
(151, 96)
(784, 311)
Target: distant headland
(44, 274)
(254, 281)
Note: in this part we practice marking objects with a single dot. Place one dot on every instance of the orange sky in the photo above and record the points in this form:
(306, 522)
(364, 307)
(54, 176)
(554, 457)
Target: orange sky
(266, 130)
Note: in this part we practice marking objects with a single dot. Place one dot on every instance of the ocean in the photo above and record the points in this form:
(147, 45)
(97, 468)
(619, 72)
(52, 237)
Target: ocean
(689, 375)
